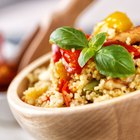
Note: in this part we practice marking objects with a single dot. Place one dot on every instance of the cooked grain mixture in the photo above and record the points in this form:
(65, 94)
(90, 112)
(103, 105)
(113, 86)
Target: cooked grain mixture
(44, 90)
(89, 70)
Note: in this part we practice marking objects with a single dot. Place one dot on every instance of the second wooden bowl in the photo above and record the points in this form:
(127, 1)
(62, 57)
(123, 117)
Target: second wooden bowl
(116, 119)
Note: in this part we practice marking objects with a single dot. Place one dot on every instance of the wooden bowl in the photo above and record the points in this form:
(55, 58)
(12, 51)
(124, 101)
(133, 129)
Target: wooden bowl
(116, 119)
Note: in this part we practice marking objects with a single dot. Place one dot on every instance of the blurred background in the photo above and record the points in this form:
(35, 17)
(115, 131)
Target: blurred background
(18, 19)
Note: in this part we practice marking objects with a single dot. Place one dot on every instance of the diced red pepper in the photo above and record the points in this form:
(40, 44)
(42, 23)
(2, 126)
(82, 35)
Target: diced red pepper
(64, 89)
(66, 99)
(65, 92)
(61, 83)
(130, 48)
(70, 60)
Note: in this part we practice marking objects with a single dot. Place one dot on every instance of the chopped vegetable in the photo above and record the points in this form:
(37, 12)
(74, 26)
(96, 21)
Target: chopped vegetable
(61, 83)
(90, 86)
(56, 53)
(118, 21)
(130, 49)
(63, 88)
(70, 60)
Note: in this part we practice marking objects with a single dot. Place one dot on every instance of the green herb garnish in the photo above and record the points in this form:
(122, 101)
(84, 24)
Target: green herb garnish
(95, 44)
(68, 38)
(114, 60)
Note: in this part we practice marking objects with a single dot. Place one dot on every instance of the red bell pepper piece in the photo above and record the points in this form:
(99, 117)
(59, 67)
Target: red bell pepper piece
(130, 48)
(64, 89)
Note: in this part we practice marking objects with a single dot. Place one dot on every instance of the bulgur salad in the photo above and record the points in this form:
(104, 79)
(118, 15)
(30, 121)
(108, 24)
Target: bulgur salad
(87, 69)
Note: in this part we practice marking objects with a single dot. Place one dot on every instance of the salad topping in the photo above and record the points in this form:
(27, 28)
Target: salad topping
(113, 60)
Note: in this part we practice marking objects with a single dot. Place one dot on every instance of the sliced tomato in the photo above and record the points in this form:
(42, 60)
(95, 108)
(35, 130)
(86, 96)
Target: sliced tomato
(130, 48)
(70, 60)
(56, 53)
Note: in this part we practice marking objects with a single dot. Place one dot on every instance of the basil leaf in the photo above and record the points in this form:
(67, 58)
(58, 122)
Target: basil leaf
(114, 61)
(97, 41)
(68, 38)
(95, 44)
(85, 55)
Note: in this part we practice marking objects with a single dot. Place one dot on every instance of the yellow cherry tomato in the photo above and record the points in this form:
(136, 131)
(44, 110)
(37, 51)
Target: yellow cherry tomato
(117, 21)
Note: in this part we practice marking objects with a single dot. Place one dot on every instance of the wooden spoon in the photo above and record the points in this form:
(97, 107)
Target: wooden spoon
(66, 14)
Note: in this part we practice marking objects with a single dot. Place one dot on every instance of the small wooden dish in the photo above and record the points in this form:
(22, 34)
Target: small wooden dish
(116, 119)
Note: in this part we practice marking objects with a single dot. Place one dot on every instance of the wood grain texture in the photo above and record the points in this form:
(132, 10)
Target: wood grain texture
(116, 119)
